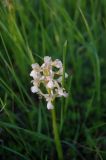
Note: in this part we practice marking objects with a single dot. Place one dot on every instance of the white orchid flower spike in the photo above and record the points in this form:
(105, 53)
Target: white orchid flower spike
(51, 79)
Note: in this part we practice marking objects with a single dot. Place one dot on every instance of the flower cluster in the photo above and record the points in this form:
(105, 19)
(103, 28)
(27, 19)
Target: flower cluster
(47, 80)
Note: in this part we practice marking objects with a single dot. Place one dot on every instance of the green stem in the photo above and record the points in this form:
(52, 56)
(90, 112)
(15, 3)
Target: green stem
(56, 135)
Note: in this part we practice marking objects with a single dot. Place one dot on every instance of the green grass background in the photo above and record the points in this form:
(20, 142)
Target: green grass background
(30, 30)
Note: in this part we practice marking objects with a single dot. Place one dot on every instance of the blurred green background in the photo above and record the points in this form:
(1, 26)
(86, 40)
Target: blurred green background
(29, 30)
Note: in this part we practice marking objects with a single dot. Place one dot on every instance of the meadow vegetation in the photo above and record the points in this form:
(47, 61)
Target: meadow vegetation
(73, 31)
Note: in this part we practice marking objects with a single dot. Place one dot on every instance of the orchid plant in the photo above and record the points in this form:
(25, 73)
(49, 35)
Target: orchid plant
(50, 74)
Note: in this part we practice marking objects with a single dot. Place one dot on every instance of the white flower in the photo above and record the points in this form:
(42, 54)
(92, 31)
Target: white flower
(57, 63)
(47, 59)
(50, 79)
(50, 84)
(62, 93)
(34, 89)
(35, 66)
(35, 82)
(33, 74)
(50, 105)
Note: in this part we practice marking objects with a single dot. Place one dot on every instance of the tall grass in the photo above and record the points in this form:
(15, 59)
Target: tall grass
(75, 32)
